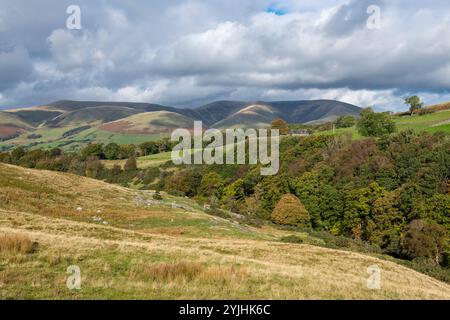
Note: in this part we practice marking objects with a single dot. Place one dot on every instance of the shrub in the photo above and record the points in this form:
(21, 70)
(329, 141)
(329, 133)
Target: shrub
(157, 196)
(342, 242)
(131, 164)
(290, 211)
(34, 136)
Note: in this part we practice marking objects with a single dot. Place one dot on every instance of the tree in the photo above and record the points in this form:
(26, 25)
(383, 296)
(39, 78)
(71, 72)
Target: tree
(148, 148)
(211, 185)
(54, 152)
(414, 104)
(184, 183)
(373, 124)
(77, 166)
(92, 150)
(345, 122)
(17, 153)
(281, 125)
(126, 151)
(111, 151)
(290, 211)
(93, 167)
(131, 164)
(426, 240)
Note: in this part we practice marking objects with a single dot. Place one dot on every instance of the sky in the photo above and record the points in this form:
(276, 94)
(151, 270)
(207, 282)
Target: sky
(188, 53)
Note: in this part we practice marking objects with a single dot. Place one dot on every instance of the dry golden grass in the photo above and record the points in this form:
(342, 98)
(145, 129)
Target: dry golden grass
(222, 268)
(168, 271)
(187, 271)
(16, 243)
(121, 262)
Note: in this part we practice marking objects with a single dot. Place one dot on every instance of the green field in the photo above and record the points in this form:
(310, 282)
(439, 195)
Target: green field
(53, 137)
(434, 122)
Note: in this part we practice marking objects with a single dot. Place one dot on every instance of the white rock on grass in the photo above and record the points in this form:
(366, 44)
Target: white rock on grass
(79, 209)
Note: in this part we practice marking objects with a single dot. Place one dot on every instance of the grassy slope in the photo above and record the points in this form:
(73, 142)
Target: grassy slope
(162, 252)
(153, 160)
(10, 118)
(52, 137)
(434, 122)
(155, 120)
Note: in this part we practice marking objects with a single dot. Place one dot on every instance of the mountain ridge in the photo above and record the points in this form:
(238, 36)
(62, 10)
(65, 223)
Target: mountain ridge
(47, 124)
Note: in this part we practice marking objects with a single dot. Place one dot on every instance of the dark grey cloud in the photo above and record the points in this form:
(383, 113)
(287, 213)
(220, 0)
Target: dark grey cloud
(15, 66)
(350, 17)
(189, 52)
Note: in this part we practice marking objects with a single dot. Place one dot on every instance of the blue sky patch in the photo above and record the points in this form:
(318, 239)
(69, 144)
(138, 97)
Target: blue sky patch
(276, 10)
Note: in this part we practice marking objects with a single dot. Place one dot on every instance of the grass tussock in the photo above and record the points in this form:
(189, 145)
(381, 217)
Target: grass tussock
(16, 243)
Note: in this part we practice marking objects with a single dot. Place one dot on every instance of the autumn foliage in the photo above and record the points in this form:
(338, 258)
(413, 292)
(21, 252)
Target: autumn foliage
(290, 211)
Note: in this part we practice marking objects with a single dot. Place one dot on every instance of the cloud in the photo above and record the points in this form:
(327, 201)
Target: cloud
(15, 66)
(189, 52)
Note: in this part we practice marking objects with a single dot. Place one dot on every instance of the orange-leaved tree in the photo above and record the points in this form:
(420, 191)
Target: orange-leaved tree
(290, 211)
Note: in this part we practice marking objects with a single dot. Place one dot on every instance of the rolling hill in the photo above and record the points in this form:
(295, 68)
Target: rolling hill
(70, 124)
(223, 114)
(129, 246)
(90, 116)
(149, 123)
(11, 125)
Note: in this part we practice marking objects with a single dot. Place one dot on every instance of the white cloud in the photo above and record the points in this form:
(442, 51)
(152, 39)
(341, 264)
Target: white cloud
(189, 52)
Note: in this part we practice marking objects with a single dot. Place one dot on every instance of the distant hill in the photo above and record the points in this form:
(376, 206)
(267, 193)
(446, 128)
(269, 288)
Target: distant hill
(239, 114)
(12, 125)
(91, 115)
(48, 125)
(149, 122)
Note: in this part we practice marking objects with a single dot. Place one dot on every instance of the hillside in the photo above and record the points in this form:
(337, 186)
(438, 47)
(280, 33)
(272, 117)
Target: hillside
(432, 122)
(11, 125)
(241, 114)
(90, 116)
(149, 123)
(130, 247)
(252, 116)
